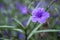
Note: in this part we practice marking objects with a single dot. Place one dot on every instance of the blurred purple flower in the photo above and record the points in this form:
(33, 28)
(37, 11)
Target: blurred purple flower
(1, 5)
(54, 0)
(48, 1)
(58, 22)
(42, 4)
(52, 7)
(39, 15)
(25, 22)
(10, 20)
(22, 8)
(55, 15)
(5, 32)
(10, 7)
(2, 9)
(20, 35)
(36, 3)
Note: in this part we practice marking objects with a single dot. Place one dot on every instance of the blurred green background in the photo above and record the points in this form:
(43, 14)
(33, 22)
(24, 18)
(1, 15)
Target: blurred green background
(9, 10)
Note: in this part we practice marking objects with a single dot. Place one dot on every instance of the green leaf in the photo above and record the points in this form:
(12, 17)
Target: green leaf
(33, 31)
(49, 30)
(19, 23)
(12, 28)
(6, 26)
(20, 30)
(28, 21)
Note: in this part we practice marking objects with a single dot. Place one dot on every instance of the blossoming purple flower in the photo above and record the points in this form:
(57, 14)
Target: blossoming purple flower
(22, 8)
(40, 15)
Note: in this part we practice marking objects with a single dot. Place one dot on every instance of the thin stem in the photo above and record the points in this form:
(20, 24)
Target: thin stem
(26, 34)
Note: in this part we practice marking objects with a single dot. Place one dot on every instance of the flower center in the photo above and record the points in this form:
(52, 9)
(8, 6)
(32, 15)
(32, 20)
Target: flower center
(39, 15)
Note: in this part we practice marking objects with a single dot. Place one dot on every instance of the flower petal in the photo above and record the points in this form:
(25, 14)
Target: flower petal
(46, 15)
(34, 19)
(42, 20)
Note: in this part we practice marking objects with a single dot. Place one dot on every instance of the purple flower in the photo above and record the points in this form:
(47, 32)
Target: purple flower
(54, 0)
(25, 22)
(10, 20)
(20, 35)
(39, 15)
(2, 6)
(56, 15)
(5, 32)
(58, 22)
(22, 8)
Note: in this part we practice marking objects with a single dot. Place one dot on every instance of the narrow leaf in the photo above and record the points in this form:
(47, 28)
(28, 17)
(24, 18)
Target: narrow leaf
(6, 26)
(49, 30)
(35, 29)
(19, 23)
(12, 28)
(29, 21)
(20, 30)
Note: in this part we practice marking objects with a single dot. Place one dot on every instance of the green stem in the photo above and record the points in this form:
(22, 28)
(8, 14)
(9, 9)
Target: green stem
(26, 34)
